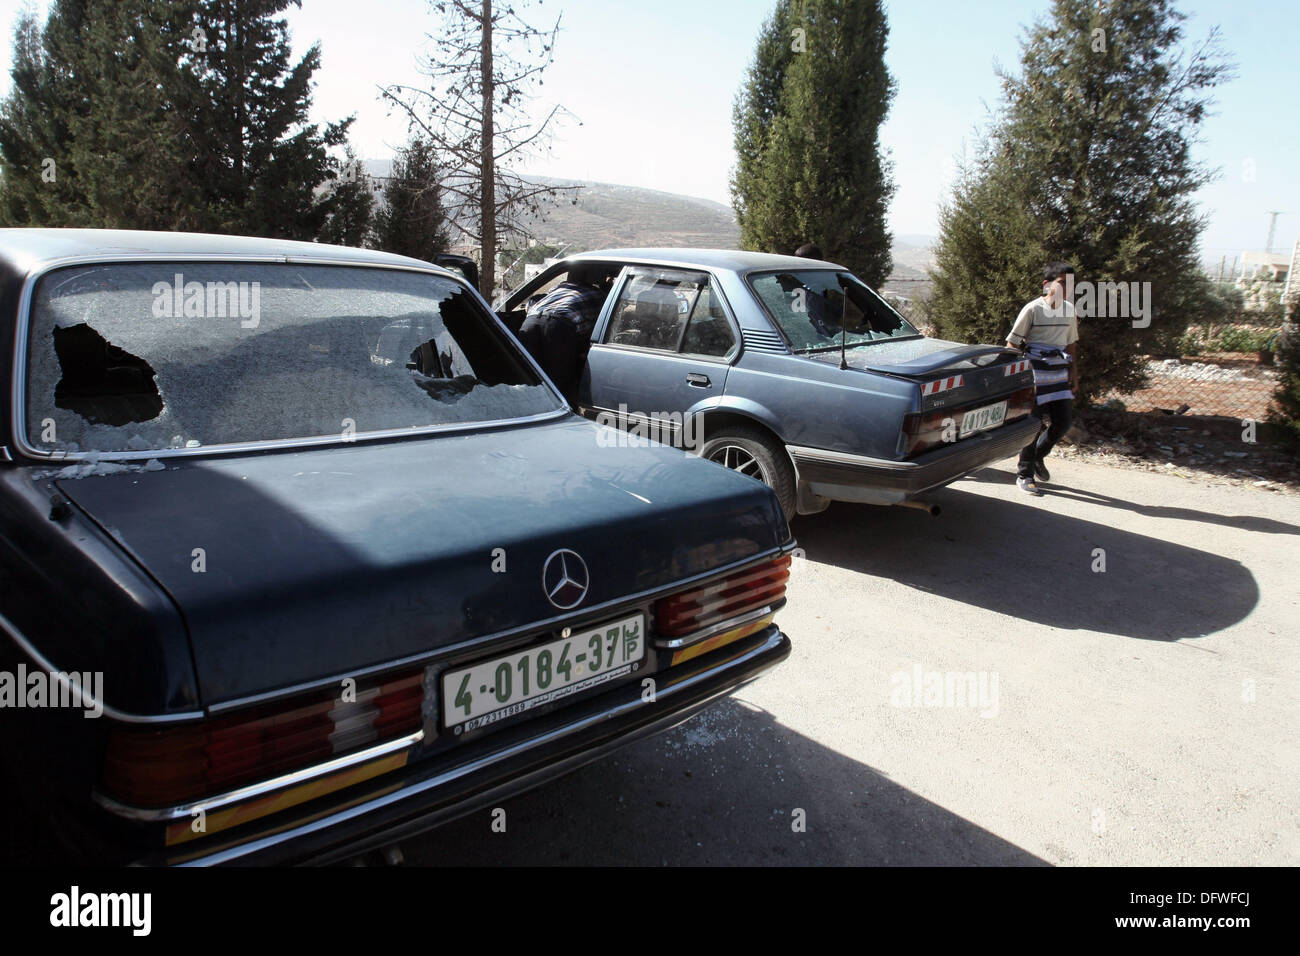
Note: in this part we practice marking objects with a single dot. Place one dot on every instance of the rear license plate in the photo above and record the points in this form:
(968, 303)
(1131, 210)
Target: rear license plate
(982, 419)
(511, 684)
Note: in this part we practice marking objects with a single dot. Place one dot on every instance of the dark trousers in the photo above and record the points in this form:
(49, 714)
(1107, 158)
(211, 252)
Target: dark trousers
(553, 341)
(1056, 417)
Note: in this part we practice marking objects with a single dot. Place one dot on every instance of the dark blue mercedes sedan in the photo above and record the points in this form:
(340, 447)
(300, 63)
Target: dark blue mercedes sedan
(301, 554)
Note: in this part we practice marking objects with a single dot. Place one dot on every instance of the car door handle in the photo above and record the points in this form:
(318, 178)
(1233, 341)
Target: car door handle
(698, 380)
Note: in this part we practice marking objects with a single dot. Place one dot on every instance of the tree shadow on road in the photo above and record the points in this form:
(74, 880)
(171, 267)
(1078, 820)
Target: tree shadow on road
(1051, 489)
(720, 790)
(1036, 564)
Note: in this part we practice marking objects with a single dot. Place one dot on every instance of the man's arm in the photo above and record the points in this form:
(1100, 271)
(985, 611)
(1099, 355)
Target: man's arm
(1020, 328)
(1072, 350)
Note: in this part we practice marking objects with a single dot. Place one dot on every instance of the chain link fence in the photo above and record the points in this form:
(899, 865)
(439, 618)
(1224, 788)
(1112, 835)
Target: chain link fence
(1225, 373)
(1228, 384)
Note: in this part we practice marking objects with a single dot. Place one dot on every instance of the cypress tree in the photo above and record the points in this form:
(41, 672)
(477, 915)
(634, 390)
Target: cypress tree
(807, 133)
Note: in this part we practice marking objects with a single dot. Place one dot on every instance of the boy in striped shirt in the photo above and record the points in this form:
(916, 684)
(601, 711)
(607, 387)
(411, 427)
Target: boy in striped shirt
(1048, 332)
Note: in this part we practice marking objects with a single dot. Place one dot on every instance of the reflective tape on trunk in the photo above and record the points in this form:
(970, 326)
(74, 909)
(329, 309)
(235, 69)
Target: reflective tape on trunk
(941, 385)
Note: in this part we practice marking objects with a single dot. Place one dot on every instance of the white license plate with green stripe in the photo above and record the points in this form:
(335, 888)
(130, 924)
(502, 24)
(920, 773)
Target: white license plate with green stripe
(982, 419)
(513, 683)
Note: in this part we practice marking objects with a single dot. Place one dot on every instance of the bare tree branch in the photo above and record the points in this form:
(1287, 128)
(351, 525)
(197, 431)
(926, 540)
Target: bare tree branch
(484, 67)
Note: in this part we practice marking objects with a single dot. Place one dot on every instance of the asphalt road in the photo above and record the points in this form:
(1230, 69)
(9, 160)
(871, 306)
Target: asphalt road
(974, 689)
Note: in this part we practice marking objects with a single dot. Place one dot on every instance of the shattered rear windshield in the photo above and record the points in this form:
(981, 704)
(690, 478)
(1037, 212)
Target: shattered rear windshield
(817, 308)
(145, 356)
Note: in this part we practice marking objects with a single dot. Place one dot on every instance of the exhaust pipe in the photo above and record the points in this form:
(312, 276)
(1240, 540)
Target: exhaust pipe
(932, 509)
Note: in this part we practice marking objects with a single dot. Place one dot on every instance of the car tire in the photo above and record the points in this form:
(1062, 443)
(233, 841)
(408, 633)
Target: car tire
(754, 453)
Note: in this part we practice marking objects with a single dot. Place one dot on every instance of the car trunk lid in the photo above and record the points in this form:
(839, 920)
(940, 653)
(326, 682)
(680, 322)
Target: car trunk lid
(948, 374)
(294, 566)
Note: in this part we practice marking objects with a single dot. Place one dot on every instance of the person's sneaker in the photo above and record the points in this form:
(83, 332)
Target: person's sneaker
(1028, 485)
(1041, 472)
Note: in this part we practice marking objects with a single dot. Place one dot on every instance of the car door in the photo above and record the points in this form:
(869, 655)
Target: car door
(662, 349)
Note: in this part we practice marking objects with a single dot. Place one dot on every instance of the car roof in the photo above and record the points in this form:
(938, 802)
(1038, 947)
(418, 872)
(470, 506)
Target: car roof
(25, 250)
(734, 260)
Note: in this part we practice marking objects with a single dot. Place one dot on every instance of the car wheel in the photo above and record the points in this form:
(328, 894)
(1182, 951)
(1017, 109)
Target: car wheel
(751, 452)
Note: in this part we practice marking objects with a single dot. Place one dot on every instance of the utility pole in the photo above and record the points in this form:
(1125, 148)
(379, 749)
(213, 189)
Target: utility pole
(1290, 273)
(1272, 230)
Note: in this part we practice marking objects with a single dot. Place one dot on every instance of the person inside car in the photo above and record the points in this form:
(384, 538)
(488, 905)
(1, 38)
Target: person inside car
(557, 329)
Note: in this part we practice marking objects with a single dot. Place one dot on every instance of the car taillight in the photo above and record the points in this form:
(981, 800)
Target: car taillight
(925, 430)
(680, 614)
(1020, 403)
(147, 767)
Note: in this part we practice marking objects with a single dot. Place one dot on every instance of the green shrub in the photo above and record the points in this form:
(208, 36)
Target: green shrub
(1240, 338)
(1190, 343)
(1286, 401)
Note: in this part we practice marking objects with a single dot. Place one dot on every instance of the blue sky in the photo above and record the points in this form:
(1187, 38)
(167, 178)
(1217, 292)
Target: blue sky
(652, 85)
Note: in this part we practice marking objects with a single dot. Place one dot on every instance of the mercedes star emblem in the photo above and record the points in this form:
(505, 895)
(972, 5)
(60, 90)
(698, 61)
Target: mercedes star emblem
(565, 579)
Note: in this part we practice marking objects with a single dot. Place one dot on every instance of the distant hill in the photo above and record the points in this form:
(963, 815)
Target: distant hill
(608, 215)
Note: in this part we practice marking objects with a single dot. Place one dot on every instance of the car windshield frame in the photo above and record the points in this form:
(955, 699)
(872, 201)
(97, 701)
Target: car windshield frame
(834, 344)
(20, 377)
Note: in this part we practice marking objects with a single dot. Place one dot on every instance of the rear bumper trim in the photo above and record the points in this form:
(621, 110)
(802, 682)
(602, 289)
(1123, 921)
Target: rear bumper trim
(253, 791)
(829, 471)
(419, 800)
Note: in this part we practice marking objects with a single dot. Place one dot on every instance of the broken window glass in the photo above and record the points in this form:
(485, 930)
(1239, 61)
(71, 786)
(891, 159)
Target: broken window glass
(145, 356)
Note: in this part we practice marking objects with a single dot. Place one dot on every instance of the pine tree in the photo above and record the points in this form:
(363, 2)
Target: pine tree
(807, 133)
(166, 115)
(125, 145)
(85, 135)
(256, 161)
(411, 221)
(350, 205)
(1088, 161)
(33, 125)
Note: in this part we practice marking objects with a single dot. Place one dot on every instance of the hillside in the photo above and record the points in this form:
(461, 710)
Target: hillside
(610, 215)
(607, 215)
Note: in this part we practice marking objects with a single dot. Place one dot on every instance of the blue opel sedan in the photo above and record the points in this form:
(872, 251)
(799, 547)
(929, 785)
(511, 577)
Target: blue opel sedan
(300, 554)
(790, 370)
